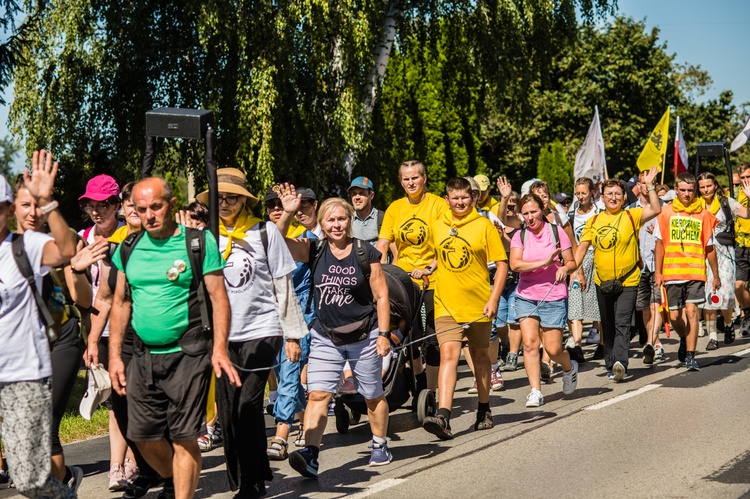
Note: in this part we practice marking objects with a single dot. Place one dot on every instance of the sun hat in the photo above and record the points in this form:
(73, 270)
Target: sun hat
(362, 182)
(98, 390)
(101, 188)
(474, 184)
(483, 181)
(6, 193)
(231, 181)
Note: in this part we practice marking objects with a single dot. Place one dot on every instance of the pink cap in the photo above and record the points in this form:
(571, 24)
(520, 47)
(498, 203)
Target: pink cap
(100, 188)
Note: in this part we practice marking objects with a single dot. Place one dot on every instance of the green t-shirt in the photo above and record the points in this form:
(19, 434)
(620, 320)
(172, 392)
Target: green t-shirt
(162, 309)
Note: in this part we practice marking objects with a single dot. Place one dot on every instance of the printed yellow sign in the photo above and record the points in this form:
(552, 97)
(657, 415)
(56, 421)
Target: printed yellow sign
(685, 230)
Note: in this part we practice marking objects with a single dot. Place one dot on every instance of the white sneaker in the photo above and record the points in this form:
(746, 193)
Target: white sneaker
(570, 343)
(570, 378)
(535, 398)
(593, 337)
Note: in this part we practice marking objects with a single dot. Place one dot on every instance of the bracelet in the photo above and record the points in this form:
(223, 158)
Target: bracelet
(79, 272)
(385, 334)
(652, 188)
(49, 207)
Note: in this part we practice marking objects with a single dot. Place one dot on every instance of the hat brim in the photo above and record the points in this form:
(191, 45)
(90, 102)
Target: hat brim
(98, 197)
(229, 189)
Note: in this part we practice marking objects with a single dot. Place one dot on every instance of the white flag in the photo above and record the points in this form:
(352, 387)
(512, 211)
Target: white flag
(740, 140)
(591, 154)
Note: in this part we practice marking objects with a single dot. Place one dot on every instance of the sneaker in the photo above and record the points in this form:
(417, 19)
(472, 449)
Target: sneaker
(570, 378)
(593, 337)
(473, 390)
(380, 455)
(496, 381)
(658, 352)
(691, 363)
(5, 477)
(511, 362)
(682, 351)
(130, 469)
(729, 334)
(534, 398)
(648, 354)
(277, 449)
(140, 487)
(304, 462)
(619, 371)
(205, 443)
(347, 387)
(545, 371)
(599, 352)
(576, 353)
(117, 480)
(712, 345)
(745, 326)
(610, 376)
(300, 440)
(331, 408)
(215, 432)
(76, 476)
(438, 426)
(484, 421)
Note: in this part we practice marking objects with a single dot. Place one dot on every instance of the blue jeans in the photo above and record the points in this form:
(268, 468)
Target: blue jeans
(291, 398)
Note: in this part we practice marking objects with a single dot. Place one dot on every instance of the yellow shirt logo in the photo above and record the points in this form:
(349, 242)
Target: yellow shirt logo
(455, 254)
(607, 237)
(414, 232)
(685, 230)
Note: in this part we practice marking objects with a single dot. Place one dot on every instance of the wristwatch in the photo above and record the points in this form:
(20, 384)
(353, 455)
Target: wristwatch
(385, 334)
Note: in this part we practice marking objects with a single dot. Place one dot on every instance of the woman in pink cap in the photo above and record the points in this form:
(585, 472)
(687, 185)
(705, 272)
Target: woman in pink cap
(101, 202)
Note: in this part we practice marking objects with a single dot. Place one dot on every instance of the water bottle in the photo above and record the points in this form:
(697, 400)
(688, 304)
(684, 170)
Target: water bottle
(576, 285)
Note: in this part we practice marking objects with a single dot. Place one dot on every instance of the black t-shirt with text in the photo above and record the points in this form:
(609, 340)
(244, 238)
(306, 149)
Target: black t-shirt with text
(342, 295)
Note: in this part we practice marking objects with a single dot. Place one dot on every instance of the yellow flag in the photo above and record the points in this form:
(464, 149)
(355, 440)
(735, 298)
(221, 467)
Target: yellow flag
(656, 146)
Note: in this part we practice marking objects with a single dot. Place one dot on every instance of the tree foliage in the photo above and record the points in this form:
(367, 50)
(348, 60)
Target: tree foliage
(555, 169)
(8, 153)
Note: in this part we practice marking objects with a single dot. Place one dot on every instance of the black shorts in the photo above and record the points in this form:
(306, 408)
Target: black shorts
(175, 405)
(648, 291)
(687, 292)
(742, 257)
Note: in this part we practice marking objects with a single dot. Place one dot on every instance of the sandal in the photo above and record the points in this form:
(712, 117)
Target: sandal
(277, 449)
(300, 440)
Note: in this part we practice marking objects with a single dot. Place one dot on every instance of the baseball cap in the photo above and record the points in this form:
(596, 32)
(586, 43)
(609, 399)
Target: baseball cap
(474, 184)
(272, 192)
(307, 194)
(526, 187)
(594, 175)
(101, 188)
(98, 390)
(483, 181)
(560, 197)
(363, 182)
(6, 194)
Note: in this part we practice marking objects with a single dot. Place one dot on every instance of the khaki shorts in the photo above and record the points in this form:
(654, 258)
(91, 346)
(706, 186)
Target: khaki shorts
(477, 334)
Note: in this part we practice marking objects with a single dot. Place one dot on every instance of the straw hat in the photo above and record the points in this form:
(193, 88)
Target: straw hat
(231, 181)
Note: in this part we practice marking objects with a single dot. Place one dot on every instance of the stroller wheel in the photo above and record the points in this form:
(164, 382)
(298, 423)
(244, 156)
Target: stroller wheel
(354, 417)
(426, 405)
(342, 419)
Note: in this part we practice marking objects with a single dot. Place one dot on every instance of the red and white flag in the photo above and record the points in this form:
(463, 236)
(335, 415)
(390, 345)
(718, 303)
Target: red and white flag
(680, 152)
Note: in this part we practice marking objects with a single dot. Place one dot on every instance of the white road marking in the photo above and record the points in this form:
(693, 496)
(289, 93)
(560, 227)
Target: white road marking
(378, 487)
(620, 398)
(743, 352)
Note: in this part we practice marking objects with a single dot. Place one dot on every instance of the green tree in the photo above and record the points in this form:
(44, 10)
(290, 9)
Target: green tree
(555, 169)
(8, 153)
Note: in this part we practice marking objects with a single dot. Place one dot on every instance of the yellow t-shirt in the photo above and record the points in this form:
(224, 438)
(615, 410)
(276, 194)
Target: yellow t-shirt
(295, 230)
(615, 245)
(490, 204)
(742, 225)
(409, 226)
(119, 235)
(463, 285)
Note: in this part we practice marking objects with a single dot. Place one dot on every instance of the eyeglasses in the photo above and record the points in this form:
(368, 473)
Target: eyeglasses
(98, 207)
(228, 200)
(613, 194)
(274, 205)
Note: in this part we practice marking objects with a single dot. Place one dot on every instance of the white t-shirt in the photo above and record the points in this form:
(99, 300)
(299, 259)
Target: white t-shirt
(248, 278)
(579, 221)
(24, 351)
(96, 269)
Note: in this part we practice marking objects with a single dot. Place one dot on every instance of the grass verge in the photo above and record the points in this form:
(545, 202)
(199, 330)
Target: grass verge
(73, 427)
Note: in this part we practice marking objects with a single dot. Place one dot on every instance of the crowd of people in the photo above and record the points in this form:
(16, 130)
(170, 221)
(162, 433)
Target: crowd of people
(190, 328)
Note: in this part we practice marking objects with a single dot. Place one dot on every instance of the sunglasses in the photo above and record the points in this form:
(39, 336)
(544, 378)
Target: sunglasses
(100, 207)
(511, 207)
(274, 205)
(228, 200)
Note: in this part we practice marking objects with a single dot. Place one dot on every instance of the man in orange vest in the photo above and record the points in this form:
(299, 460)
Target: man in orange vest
(683, 245)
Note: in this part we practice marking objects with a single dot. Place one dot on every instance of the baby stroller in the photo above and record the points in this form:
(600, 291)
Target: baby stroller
(399, 381)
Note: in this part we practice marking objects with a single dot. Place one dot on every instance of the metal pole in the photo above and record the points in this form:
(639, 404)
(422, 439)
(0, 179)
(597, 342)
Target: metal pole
(213, 185)
(729, 173)
(149, 156)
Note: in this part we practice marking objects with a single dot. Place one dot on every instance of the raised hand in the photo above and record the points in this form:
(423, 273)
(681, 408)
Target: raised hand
(746, 186)
(504, 187)
(650, 177)
(290, 200)
(41, 180)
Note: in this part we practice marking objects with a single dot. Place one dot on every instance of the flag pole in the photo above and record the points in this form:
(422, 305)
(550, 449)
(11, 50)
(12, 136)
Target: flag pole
(663, 167)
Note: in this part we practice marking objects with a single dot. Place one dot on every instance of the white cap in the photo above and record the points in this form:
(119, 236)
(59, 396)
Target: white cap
(526, 187)
(6, 193)
(98, 391)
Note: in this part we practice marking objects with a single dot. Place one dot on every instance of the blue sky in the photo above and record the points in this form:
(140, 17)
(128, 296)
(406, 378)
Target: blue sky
(704, 33)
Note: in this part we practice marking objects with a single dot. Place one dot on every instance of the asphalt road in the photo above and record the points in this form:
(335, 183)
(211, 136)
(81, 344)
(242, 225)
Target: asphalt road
(662, 433)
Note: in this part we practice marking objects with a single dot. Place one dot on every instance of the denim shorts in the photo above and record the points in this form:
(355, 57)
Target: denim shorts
(551, 314)
(505, 309)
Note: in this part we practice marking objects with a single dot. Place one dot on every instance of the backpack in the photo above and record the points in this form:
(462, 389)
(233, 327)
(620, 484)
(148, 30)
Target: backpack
(51, 326)
(316, 251)
(555, 236)
(726, 237)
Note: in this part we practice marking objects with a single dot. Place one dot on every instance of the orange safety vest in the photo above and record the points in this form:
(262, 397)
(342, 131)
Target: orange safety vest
(685, 237)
